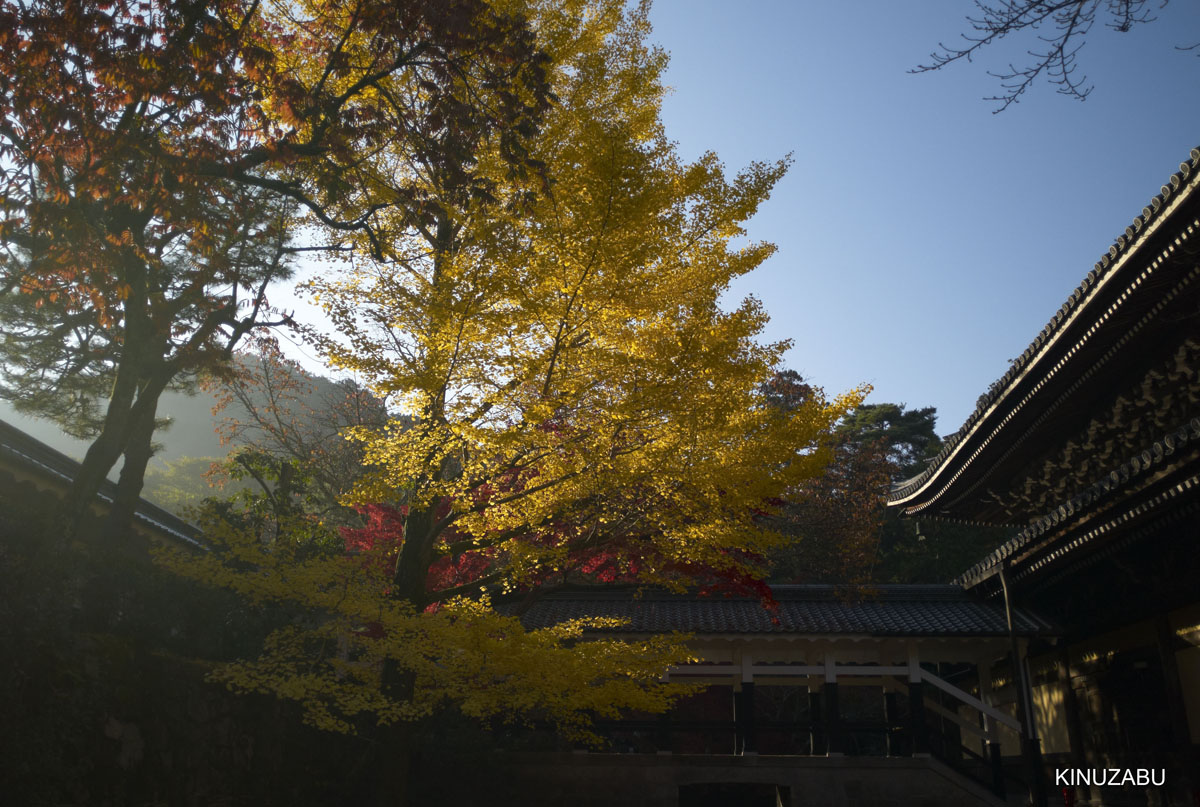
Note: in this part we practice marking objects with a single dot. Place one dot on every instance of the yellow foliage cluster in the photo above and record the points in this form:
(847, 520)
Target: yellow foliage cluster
(571, 387)
(577, 342)
(346, 631)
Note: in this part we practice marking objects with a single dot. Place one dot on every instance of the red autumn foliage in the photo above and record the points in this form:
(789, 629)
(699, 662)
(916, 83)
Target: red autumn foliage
(616, 563)
(384, 530)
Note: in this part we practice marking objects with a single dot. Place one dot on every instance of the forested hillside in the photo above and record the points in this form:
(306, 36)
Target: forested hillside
(188, 447)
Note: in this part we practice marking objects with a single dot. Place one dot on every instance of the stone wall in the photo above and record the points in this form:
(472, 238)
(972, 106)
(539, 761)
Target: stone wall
(103, 659)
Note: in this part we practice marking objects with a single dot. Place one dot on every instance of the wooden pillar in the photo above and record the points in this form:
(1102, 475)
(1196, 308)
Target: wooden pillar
(918, 727)
(1030, 750)
(737, 718)
(835, 740)
(1070, 704)
(817, 722)
(952, 745)
(744, 706)
(835, 744)
(997, 765)
(662, 735)
(1176, 708)
(891, 716)
(743, 719)
(990, 746)
(983, 674)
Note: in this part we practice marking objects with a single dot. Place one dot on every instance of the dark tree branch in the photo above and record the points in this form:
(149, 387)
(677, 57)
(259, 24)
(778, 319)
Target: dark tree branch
(1069, 21)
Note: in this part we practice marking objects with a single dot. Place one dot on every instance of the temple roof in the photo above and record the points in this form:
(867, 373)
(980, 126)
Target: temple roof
(1082, 523)
(883, 611)
(1130, 310)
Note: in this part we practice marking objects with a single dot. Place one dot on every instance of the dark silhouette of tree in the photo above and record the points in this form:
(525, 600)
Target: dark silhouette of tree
(155, 157)
(906, 436)
(913, 550)
(836, 517)
(846, 533)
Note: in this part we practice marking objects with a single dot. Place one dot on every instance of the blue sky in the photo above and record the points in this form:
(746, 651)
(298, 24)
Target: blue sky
(923, 241)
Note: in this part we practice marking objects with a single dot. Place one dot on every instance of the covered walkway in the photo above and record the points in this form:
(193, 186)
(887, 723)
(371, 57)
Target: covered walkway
(913, 672)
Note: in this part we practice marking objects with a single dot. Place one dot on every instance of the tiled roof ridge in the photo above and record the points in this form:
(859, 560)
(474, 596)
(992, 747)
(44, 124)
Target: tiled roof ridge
(1150, 458)
(892, 592)
(1182, 180)
(1014, 441)
(938, 610)
(1176, 514)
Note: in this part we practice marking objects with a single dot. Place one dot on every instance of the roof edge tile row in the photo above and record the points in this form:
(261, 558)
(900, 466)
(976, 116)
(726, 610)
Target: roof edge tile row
(1178, 187)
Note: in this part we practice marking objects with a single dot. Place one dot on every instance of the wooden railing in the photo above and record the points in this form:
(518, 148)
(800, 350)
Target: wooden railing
(951, 735)
(923, 714)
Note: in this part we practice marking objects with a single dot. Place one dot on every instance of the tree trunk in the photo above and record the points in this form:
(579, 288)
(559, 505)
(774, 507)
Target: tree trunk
(416, 556)
(128, 429)
(395, 769)
(138, 451)
(104, 451)
(396, 743)
(101, 456)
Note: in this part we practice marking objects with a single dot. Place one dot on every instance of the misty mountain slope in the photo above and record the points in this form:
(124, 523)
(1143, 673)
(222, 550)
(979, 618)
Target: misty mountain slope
(186, 448)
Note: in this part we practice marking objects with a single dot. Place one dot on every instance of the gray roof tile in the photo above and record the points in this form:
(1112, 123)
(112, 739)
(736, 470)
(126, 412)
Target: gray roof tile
(914, 610)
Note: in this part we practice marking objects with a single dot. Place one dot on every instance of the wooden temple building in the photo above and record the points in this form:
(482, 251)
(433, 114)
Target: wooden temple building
(878, 697)
(829, 700)
(1088, 448)
(1068, 656)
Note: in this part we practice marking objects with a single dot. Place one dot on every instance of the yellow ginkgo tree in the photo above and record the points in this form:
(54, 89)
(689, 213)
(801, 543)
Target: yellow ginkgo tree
(574, 406)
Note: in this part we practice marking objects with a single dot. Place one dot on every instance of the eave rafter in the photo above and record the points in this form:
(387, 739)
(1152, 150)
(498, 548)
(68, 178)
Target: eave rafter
(1159, 483)
(1148, 268)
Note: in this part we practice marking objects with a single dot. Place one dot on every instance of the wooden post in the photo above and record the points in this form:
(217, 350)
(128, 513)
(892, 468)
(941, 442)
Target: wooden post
(1070, 705)
(918, 728)
(1029, 746)
(834, 737)
(738, 711)
(749, 742)
(983, 674)
(953, 745)
(746, 708)
(662, 738)
(997, 762)
(1176, 708)
(891, 716)
(743, 717)
(817, 721)
(991, 745)
(835, 741)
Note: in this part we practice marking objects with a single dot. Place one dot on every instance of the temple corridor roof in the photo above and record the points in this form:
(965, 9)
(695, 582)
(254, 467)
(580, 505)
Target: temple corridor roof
(882, 611)
(20, 451)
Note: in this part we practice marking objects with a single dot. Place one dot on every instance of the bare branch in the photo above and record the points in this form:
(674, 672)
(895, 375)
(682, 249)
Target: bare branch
(1054, 57)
